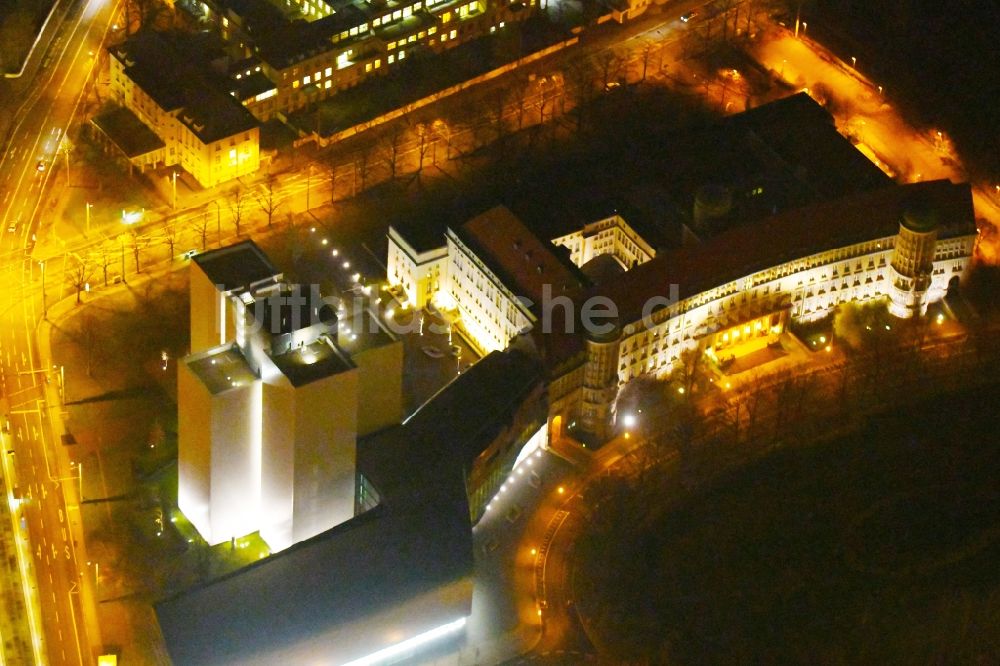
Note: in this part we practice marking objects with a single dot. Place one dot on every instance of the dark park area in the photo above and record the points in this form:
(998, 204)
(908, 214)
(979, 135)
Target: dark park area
(879, 547)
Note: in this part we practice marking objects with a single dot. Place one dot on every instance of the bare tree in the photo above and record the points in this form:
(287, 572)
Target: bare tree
(496, 101)
(140, 14)
(201, 224)
(611, 65)
(237, 206)
(79, 276)
(390, 146)
(135, 242)
(170, 236)
(645, 55)
(445, 131)
(425, 140)
(520, 91)
(363, 165)
(267, 200)
(580, 84)
(106, 254)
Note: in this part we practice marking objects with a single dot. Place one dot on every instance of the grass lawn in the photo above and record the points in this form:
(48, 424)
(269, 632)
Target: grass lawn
(877, 548)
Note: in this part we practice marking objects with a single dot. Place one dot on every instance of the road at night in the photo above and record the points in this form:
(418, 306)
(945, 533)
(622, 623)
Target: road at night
(62, 605)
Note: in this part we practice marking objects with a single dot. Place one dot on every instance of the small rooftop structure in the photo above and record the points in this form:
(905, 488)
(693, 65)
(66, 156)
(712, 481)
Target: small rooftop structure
(221, 369)
(314, 361)
(237, 267)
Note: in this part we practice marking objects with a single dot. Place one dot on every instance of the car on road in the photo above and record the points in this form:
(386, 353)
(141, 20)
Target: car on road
(687, 18)
(12, 228)
(40, 166)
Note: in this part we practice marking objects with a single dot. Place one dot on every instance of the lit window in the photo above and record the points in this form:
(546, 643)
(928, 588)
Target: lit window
(295, 84)
(392, 59)
(407, 12)
(378, 63)
(329, 70)
(412, 39)
(307, 80)
(392, 45)
(445, 17)
(420, 35)
(402, 54)
(368, 67)
(377, 22)
(453, 33)
(432, 30)
(328, 83)
(225, 22)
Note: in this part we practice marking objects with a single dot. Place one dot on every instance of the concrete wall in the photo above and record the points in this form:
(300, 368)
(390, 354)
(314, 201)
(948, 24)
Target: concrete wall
(193, 448)
(277, 465)
(235, 463)
(211, 314)
(325, 431)
(380, 387)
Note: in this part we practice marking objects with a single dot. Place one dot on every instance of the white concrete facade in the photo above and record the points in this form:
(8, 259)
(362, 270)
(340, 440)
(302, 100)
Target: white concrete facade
(613, 236)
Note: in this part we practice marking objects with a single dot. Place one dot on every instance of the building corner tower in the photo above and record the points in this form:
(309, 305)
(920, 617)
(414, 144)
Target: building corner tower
(913, 263)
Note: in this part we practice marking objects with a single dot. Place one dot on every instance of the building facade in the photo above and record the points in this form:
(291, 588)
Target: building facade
(335, 44)
(727, 297)
(206, 131)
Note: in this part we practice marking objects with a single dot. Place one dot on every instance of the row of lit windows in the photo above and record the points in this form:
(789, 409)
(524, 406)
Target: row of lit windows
(412, 38)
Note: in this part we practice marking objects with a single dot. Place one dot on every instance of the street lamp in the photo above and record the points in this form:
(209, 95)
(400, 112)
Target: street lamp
(854, 62)
(309, 173)
(89, 206)
(44, 310)
(174, 183)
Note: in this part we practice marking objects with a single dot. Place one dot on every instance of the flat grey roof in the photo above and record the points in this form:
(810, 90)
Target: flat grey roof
(127, 132)
(237, 266)
(221, 369)
(312, 362)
